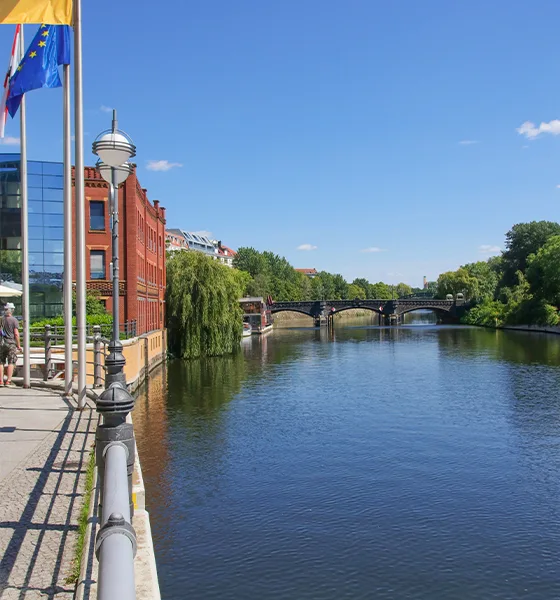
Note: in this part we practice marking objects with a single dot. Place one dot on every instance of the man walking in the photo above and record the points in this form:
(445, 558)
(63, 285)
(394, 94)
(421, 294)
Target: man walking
(9, 344)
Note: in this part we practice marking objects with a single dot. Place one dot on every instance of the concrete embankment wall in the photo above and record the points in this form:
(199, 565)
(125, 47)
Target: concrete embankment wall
(142, 354)
(534, 328)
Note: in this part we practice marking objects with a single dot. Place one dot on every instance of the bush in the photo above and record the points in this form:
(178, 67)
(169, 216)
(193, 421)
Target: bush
(489, 313)
(101, 319)
(534, 312)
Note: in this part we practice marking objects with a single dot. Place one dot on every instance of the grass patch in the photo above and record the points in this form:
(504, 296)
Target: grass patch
(83, 522)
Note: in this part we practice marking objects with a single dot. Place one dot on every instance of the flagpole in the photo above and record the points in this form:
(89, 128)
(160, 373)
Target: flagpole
(24, 236)
(67, 158)
(80, 206)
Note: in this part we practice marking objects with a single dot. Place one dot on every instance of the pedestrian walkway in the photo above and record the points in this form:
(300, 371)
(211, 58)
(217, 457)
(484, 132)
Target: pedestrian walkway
(44, 449)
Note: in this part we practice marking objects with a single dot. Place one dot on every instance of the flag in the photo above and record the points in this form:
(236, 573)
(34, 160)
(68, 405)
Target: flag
(15, 59)
(54, 12)
(39, 67)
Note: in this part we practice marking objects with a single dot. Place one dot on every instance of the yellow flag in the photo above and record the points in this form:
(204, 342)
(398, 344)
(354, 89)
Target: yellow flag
(49, 12)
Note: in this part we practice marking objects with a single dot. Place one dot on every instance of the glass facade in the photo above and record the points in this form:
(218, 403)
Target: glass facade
(46, 233)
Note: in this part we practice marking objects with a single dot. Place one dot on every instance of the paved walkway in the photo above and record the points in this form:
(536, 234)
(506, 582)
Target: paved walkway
(44, 449)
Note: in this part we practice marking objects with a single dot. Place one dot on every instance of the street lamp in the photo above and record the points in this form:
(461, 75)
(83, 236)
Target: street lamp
(114, 148)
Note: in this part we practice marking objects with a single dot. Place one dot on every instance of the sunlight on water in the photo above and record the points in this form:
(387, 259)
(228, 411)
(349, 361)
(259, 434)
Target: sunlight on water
(416, 462)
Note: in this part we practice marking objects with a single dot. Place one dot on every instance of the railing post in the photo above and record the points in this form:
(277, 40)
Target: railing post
(97, 379)
(48, 352)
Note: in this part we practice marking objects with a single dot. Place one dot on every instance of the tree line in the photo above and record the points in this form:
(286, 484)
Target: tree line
(522, 286)
(519, 287)
(272, 275)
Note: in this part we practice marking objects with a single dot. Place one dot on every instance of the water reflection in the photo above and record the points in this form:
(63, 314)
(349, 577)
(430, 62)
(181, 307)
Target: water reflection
(363, 462)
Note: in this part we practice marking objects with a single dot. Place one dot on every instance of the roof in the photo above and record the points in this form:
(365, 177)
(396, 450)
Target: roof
(307, 271)
(252, 299)
(225, 251)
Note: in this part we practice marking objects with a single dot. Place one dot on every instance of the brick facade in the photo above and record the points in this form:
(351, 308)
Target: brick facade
(141, 249)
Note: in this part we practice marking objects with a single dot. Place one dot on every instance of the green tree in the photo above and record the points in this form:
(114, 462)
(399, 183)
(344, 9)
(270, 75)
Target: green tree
(487, 277)
(543, 271)
(327, 281)
(340, 288)
(432, 287)
(203, 306)
(252, 261)
(363, 283)
(317, 289)
(94, 306)
(304, 285)
(380, 291)
(457, 282)
(356, 291)
(402, 289)
(522, 240)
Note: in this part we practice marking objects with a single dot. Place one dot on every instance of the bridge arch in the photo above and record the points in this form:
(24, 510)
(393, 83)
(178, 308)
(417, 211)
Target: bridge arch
(437, 309)
(276, 311)
(356, 307)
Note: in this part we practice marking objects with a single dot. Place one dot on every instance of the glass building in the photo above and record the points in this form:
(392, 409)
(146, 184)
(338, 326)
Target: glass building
(46, 233)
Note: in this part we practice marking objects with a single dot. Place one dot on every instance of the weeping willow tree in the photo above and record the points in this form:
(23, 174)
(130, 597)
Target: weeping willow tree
(204, 315)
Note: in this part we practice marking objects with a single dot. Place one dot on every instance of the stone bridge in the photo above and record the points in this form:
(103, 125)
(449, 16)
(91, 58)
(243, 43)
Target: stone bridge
(390, 310)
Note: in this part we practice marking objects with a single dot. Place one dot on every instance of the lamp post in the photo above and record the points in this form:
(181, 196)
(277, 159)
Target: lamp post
(114, 148)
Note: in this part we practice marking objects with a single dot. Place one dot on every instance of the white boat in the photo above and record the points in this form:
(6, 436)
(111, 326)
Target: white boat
(247, 330)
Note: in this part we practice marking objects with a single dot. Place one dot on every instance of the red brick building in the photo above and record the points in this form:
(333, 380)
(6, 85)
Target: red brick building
(141, 250)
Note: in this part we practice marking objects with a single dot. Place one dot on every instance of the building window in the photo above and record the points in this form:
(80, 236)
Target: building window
(97, 264)
(97, 215)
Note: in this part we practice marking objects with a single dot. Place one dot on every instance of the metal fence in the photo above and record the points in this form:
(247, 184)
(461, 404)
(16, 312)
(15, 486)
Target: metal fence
(115, 450)
(116, 552)
(49, 337)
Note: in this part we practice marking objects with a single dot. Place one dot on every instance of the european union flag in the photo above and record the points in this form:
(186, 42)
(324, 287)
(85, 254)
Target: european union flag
(39, 67)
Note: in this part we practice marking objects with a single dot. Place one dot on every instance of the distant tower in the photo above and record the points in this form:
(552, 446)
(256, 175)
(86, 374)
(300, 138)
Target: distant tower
(425, 283)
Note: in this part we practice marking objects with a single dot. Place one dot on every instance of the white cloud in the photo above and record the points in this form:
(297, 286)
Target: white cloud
(373, 249)
(468, 142)
(531, 131)
(204, 233)
(489, 249)
(106, 109)
(9, 141)
(307, 247)
(161, 165)
(558, 186)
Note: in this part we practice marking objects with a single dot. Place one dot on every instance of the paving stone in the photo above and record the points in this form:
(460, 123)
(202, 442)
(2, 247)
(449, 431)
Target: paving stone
(41, 497)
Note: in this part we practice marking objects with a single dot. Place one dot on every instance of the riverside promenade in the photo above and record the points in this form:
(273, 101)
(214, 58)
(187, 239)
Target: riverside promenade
(45, 446)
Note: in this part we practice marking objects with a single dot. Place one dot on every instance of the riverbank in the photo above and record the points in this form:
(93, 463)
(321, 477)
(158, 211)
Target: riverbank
(530, 328)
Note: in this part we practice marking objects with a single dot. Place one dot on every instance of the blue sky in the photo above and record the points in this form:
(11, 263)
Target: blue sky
(338, 126)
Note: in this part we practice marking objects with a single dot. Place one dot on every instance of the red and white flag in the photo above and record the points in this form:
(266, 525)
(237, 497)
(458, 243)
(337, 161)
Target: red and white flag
(15, 59)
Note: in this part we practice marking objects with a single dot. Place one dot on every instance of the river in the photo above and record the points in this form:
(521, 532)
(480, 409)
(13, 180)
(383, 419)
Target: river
(419, 462)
